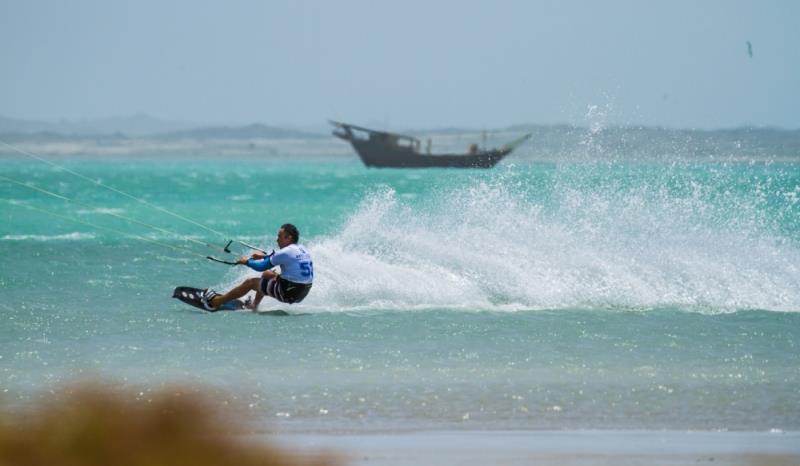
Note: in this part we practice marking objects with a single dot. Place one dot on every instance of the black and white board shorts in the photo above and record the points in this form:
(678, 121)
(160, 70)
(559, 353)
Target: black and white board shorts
(284, 290)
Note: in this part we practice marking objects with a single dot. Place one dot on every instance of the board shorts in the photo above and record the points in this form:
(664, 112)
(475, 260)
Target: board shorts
(284, 290)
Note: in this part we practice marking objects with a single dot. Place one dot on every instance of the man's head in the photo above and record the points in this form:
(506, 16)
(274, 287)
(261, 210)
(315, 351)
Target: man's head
(287, 235)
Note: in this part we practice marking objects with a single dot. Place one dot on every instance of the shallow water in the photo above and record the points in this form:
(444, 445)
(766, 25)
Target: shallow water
(606, 293)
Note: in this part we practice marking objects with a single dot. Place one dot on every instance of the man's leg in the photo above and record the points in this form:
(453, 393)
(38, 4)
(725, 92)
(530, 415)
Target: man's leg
(266, 276)
(251, 284)
(257, 301)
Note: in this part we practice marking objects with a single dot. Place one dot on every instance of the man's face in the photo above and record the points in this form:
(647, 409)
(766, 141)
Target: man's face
(284, 239)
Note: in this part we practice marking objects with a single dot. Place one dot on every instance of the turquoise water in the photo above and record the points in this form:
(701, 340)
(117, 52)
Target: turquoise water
(607, 294)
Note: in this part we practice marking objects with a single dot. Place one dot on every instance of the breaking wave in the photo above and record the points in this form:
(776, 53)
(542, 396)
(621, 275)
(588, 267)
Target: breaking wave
(75, 236)
(497, 246)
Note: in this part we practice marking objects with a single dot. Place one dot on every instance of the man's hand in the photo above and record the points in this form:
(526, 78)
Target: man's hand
(242, 260)
(258, 255)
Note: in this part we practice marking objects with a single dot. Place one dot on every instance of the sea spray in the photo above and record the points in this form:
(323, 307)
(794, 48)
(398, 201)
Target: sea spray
(631, 237)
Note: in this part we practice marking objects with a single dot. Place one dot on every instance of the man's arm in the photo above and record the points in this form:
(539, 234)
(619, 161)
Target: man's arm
(259, 264)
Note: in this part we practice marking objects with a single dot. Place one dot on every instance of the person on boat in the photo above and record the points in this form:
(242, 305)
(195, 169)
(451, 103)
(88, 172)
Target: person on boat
(290, 286)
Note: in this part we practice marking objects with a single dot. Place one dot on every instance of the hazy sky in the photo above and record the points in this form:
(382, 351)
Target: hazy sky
(404, 63)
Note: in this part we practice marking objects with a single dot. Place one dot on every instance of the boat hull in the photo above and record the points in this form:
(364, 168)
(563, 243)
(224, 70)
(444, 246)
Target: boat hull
(393, 150)
(388, 157)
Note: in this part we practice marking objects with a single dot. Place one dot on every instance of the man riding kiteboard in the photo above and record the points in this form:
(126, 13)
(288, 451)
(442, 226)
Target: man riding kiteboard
(290, 286)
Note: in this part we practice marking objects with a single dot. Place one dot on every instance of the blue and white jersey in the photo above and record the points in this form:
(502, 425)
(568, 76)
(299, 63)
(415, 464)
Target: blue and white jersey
(295, 262)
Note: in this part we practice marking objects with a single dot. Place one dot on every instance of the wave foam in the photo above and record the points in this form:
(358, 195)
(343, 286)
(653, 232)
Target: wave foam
(75, 236)
(500, 246)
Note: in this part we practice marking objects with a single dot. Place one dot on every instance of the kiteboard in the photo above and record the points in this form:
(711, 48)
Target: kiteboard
(192, 296)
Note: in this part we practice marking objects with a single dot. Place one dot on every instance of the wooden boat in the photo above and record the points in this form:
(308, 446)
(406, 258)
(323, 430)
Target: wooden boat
(384, 149)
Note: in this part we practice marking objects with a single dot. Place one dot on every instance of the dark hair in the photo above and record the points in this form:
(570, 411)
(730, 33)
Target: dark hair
(292, 230)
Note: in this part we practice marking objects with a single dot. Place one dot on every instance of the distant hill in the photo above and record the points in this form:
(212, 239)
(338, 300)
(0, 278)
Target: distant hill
(139, 126)
(253, 131)
(135, 125)
(559, 141)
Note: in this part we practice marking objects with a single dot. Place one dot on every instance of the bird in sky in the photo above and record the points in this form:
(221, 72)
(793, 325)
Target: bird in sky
(749, 49)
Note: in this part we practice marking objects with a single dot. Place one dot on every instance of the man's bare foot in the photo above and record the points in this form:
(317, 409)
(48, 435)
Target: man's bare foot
(250, 304)
(208, 298)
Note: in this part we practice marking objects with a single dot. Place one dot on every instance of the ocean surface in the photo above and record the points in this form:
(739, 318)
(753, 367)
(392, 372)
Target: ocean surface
(595, 290)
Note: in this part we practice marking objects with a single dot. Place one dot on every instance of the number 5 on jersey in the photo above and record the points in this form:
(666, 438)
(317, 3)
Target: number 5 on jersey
(307, 268)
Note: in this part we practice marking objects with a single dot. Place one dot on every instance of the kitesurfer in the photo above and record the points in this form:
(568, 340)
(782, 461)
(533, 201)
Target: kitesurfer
(291, 285)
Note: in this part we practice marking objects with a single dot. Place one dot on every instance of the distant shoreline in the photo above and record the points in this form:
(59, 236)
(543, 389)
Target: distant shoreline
(547, 143)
